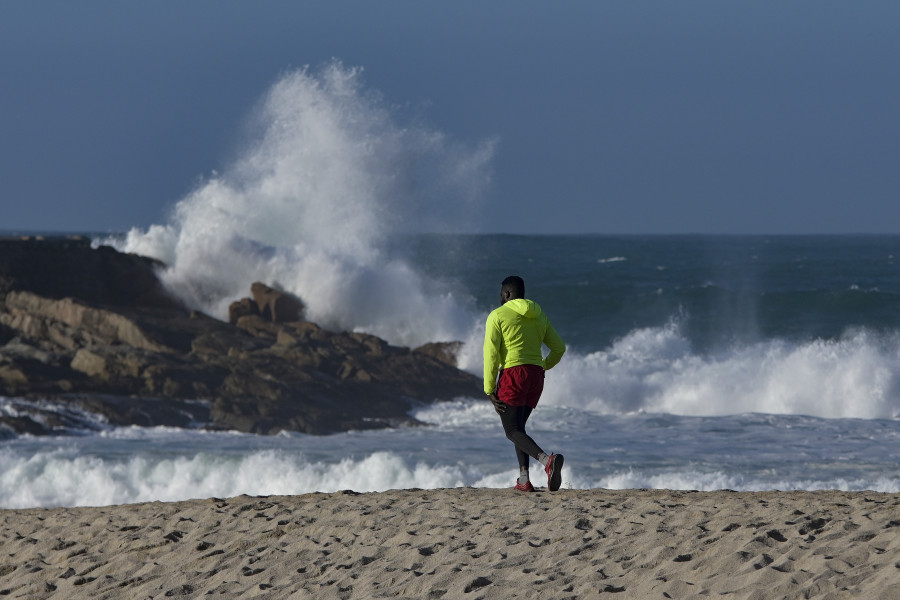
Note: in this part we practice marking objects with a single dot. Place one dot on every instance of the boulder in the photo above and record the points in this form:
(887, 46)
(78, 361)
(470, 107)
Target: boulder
(275, 305)
(90, 363)
(12, 377)
(245, 307)
(446, 352)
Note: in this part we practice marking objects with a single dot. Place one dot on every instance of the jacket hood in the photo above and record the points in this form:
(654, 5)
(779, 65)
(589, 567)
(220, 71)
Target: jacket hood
(526, 308)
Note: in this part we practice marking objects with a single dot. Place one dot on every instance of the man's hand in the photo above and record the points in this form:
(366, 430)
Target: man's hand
(499, 406)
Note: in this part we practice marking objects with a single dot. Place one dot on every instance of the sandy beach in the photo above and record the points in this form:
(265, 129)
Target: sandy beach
(462, 543)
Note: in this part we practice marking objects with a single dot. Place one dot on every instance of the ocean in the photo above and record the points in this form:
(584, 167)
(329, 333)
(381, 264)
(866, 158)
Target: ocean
(693, 362)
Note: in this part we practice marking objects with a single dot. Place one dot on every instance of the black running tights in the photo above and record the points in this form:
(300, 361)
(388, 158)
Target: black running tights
(514, 425)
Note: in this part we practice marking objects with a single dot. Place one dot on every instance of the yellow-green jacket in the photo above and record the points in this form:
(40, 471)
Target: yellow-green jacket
(514, 335)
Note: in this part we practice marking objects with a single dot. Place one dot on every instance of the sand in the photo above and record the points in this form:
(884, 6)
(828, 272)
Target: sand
(462, 543)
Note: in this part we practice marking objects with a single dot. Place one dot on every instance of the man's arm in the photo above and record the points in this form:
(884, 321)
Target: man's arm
(556, 345)
(493, 338)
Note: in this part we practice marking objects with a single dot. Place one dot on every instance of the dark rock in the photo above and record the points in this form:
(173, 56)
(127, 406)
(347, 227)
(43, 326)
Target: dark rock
(275, 305)
(446, 352)
(245, 307)
(223, 343)
(6, 334)
(69, 267)
(144, 412)
(259, 328)
(96, 333)
(20, 424)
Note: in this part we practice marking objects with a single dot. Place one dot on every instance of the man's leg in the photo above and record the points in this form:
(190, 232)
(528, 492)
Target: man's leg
(514, 426)
(520, 455)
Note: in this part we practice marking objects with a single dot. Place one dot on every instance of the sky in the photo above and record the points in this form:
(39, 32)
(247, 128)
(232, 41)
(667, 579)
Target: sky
(615, 117)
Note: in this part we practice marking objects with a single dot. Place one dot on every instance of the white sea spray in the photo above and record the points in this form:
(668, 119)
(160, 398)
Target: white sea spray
(331, 176)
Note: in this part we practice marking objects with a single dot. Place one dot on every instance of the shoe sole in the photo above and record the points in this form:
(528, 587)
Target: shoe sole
(555, 479)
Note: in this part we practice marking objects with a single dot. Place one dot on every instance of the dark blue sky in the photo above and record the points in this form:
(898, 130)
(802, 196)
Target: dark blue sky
(611, 117)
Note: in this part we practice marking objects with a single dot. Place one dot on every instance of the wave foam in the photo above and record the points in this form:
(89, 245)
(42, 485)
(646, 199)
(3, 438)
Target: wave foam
(61, 478)
(654, 370)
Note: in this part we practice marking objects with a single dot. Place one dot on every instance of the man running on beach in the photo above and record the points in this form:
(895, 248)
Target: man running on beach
(513, 338)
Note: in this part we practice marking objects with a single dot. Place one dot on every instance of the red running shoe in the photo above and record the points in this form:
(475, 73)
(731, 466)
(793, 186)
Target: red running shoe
(524, 487)
(554, 471)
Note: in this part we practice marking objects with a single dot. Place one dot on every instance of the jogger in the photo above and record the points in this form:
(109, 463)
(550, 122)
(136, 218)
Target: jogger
(514, 337)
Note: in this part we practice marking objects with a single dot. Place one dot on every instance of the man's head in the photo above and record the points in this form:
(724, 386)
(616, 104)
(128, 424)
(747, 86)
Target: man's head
(511, 288)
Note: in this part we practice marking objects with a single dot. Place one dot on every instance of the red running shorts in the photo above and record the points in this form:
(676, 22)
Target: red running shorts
(521, 385)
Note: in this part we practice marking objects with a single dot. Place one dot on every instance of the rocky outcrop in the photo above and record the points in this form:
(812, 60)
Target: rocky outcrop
(68, 267)
(92, 331)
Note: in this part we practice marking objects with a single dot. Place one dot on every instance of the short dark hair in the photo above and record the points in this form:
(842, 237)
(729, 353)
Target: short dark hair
(515, 284)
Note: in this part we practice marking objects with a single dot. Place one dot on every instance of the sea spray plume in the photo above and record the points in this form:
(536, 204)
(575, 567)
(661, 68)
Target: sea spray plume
(310, 204)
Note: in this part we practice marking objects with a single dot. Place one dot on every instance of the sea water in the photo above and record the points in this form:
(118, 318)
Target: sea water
(746, 363)
(693, 362)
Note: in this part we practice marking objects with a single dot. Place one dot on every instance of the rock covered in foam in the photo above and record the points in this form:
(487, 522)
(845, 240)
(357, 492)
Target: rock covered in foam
(276, 305)
(272, 305)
